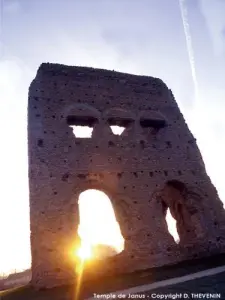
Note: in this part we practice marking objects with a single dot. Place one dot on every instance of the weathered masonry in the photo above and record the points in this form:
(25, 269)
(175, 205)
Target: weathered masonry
(154, 164)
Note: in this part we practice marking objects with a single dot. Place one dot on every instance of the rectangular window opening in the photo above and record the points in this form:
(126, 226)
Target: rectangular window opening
(82, 125)
(118, 125)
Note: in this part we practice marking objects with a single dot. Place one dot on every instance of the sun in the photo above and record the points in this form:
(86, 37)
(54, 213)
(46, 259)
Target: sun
(84, 252)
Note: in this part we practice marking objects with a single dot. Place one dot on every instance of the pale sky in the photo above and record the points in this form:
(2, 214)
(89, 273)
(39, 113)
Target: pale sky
(135, 36)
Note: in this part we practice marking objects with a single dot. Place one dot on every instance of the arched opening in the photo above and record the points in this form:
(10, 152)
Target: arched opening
(119, 125)
(119, 120)
(151, 122)
(82, 118)
(178, 216)
(82, 126)
(98, 229)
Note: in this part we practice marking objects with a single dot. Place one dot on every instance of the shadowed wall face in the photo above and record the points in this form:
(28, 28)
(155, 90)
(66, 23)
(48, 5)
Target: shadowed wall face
(154, 164)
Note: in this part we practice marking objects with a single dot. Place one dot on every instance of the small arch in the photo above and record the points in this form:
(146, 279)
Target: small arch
(119, 119)
(82, 109)
(99, 229)
(82, 118)
(152, 119)
(119, 112)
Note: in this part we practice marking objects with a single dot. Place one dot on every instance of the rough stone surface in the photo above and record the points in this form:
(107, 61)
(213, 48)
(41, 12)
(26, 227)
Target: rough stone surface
(153, 165)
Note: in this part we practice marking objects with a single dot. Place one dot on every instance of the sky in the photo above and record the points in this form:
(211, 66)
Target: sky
(134, 36)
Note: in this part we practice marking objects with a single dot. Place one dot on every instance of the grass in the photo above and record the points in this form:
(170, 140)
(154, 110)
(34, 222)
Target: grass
(110, 284)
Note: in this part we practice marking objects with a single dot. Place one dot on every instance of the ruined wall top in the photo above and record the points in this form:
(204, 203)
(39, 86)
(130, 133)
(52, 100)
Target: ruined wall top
(63, 96)
(106, 87)
(53, 69)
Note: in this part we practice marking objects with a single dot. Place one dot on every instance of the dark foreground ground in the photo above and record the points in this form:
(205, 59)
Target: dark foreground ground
(212, 287)
(188, 290)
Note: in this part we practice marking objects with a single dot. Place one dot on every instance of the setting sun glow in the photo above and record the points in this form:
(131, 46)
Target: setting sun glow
(84, 252)
(98, 228)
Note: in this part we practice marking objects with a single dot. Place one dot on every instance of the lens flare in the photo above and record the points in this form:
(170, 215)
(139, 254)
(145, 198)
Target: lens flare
(84, 252)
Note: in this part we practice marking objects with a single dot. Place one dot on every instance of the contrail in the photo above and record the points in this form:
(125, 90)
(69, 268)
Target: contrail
(184, 16)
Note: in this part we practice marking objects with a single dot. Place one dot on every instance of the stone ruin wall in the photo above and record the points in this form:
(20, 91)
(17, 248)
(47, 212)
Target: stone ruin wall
(153, 165)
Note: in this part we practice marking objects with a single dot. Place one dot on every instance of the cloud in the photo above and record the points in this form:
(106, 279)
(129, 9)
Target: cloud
(14, 212)
(214, 13)
(206, 120)
(11, 7)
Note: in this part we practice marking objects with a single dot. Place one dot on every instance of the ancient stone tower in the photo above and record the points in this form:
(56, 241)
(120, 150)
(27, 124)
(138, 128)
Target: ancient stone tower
(153, 165)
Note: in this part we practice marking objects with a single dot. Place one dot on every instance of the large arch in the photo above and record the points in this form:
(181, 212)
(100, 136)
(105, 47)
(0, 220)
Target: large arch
(119, 203)
(99, 230)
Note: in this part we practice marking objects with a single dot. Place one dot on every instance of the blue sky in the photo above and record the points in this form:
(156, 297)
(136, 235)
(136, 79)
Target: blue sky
(136, 36)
